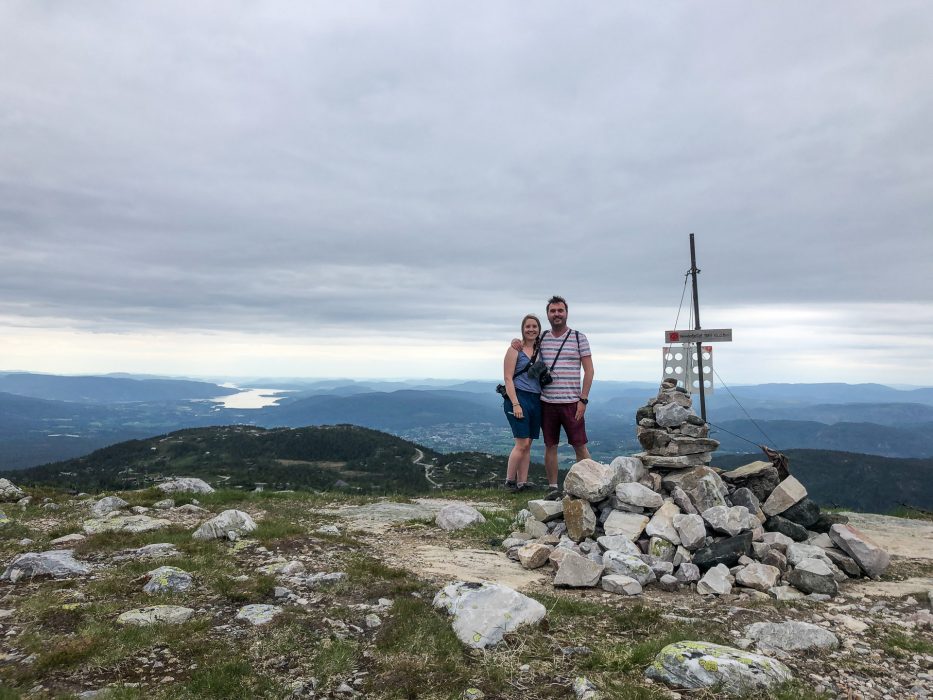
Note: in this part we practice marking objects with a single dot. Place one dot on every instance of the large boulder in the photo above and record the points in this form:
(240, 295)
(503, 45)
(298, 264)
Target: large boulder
(639, 496)
(577, 571)
(56, 563)
(790, 636)
(705, 665)
(867, 554)
(10, 492)
(590, 480)
(628, 469)
(627, 565)
(758, 477)
(229, 521)
(691, 530)
(730, 521)
(813, 576)
(579, 518)
(167, 579)
(759, 576)
(629, 525)
(185, 484)
(457, 516)
(107, 504)
(484, 612)
(789, 492)
(725, 551)
(702, 485)
(662, 523)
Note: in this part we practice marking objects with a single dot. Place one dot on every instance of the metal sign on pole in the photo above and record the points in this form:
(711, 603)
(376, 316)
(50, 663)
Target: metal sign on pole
(680, 362)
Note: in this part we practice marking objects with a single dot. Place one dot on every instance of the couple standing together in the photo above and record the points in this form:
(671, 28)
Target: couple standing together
(543, 393)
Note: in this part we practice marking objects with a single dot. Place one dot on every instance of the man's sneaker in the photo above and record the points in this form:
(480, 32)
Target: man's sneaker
(523, 487)
(509, 485)
(553, 494)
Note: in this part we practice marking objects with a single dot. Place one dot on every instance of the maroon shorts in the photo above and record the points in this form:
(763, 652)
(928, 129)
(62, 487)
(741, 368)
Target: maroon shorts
(557, 415)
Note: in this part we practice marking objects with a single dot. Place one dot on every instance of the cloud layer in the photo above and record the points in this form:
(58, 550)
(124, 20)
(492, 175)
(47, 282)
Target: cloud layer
(428, 171)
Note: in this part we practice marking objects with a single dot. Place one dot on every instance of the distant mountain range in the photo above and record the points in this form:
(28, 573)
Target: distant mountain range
(45, 418)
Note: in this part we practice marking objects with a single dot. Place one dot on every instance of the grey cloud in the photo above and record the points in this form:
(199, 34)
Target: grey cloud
(424, 165)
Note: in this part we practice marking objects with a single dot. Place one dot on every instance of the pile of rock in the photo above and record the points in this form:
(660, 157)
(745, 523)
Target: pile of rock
(664, 516)
(672, 435)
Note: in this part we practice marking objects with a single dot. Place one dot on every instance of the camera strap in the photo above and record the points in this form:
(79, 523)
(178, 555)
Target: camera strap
(566, 338)
(531, 361)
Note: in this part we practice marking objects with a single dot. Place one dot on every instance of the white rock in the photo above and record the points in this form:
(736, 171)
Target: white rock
(867, 554)
(618, 543)
(107, 505)
(790, 636)
(671, 415)
(185, 485)
(483, 612)
(628, 468)
(230, 520)
(167, 579)
(629, 525)
(635, 494)
(9, 491)
(458, 516)
(716, 581)
(545, 511)
(619, 583)
(56, 563)
(787, 493)
(156, 615)
(577, 571)
(704, 665)
(691, 529)
(68, 539)
(761, 577)
(627, 565)
(662, 523)
(590, 480)
(730, 521)
(258, 614)
(124, 523)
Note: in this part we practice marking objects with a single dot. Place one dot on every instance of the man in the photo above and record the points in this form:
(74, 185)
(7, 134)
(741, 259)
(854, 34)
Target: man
(563, 402)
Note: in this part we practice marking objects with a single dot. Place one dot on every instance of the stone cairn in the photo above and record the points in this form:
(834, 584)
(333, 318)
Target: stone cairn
(665, 517)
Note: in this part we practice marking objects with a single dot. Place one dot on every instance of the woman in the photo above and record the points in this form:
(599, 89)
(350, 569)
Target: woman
(522, 403)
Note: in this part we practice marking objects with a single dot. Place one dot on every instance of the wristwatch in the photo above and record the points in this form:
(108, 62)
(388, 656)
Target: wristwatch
(584, 401)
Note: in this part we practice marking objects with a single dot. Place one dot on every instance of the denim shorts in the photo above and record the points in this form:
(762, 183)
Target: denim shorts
(530, 425)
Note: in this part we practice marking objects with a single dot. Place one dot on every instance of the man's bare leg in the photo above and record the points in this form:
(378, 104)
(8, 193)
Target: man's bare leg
(550, 464)
(582, 452)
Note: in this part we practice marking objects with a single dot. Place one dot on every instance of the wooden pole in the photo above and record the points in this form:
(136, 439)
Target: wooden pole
(696, 315)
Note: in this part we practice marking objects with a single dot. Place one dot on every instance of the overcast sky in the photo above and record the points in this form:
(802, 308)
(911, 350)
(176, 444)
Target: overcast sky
(385, 189)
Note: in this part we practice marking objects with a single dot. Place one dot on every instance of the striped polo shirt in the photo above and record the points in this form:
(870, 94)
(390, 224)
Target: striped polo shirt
(566, 385)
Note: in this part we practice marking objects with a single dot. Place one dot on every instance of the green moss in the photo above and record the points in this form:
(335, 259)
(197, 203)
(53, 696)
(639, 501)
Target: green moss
(709, 665)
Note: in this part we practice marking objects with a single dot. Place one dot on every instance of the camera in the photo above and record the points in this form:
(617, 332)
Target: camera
(539, 370)
(500, 389)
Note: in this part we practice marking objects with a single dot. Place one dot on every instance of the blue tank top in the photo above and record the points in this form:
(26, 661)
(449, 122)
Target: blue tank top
(523, 381)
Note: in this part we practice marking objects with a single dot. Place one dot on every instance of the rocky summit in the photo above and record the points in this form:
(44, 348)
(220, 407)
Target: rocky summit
(657, 581)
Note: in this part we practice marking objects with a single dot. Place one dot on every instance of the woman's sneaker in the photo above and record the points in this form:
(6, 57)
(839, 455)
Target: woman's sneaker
(553, 494)
(509, 485)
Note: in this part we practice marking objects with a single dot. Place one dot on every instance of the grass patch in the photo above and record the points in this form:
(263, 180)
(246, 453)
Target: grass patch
(229, 679)
(378, 579)
(334, 658)
(256, 589)
(900, 644)
(497, 527)
(277, 528)
(419, 654)
(114, 541)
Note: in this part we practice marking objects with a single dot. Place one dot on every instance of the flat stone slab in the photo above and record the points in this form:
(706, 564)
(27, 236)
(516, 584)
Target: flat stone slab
(258, 614)
(124, 523)
(56, 563)
(790, 636)
(156, 615)
(381, 516)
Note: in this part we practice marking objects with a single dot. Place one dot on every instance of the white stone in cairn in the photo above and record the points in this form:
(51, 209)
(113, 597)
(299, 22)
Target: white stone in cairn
(627, 565)
(787, 493)
(691, 529)
(590, 480)
(629, 525)
(730, 521)
(634, 494)
(618, 543)
(628, 469)
(619, 583)
(761, 577)
(716, 581)
(662, 523)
